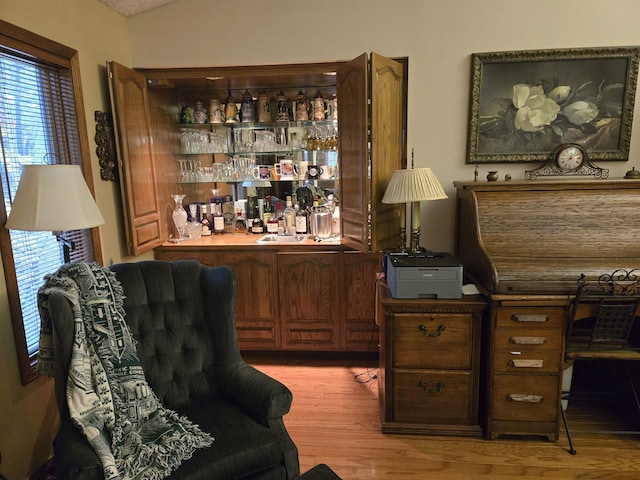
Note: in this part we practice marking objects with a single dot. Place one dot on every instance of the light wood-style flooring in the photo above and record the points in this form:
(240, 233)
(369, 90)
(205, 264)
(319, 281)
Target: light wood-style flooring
(335, 420)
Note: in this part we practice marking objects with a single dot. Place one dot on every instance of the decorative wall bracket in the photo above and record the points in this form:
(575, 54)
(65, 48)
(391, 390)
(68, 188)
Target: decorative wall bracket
(106, 146)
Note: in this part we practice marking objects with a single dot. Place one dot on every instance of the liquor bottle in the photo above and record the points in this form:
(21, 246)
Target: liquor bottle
(289, 215)
(258, 225)
(251, 210)
(206, 224)
(218, 219)
(267, 210)
(301, 221)
(272, 225)
(240, 225)
(280, 218)
(229, 214)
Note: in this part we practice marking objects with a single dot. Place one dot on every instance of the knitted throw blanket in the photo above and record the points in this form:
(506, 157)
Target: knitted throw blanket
(108, 396)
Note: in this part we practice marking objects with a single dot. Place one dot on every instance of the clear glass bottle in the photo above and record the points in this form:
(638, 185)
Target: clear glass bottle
(289, 218)
(179, 215)
(229, 214)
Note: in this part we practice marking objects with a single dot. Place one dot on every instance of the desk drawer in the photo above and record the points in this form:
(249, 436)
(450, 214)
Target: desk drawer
(439, 397)
(530, 317)
(527, 350)
(432, 340)
(531, 398)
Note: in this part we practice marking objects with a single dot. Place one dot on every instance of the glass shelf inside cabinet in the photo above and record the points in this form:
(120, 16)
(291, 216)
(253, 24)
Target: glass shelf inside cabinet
(200, 139)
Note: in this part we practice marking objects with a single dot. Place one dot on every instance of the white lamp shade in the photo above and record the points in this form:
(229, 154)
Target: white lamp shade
(53, 198)
(413, 185)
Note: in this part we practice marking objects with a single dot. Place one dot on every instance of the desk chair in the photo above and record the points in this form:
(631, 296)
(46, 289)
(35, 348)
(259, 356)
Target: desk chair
(602, 325)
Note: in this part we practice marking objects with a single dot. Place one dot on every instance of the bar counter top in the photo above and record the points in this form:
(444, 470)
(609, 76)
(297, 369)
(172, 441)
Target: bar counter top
(250, 241)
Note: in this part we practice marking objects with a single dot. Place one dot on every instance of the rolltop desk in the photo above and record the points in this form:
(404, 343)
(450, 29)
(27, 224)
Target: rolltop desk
(524, 244)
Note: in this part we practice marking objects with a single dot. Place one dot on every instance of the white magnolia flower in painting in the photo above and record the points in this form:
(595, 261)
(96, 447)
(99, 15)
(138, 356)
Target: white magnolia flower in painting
(560, 93)
(534, 109)
(580, 112)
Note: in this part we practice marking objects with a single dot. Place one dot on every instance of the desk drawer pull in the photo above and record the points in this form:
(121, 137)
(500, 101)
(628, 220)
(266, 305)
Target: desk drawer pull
(521, 363)
(529, 318)
(423, 328)
(438, 387)
(528, 340)
(525, 398)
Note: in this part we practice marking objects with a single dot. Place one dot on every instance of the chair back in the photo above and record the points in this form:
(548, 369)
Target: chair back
(615, 298)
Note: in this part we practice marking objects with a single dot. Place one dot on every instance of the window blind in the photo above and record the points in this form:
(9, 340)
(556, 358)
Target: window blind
(38, 125)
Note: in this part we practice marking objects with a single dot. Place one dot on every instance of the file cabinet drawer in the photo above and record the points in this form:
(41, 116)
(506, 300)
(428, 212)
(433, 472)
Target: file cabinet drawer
(432, 396)
(433, 341)
(531, 398)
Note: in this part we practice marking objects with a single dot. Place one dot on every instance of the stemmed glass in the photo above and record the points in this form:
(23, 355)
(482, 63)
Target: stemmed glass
(179, 215)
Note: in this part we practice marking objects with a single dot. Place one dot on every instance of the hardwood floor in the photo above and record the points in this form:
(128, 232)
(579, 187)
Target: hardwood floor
(335, 420)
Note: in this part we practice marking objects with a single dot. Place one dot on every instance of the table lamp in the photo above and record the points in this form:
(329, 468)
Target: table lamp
(413, 186)
(55, 198)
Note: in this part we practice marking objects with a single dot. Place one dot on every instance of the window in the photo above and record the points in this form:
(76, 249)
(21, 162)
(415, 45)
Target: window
(41, 121)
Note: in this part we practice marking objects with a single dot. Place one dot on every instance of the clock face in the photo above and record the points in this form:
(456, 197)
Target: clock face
(570, 157)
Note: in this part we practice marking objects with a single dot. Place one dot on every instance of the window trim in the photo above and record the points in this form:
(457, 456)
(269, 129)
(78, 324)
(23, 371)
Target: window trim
(39, 47)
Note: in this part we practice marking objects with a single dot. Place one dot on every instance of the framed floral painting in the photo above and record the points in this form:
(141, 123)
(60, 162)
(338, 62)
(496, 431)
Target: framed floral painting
(524, 104)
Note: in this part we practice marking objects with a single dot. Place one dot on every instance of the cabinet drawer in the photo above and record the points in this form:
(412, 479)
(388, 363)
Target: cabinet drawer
(531, 317)
(424, 340)
(439, 397)
(527, 350)
(530, 398)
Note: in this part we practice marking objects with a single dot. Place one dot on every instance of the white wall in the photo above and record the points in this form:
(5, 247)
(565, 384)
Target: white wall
(438, 36)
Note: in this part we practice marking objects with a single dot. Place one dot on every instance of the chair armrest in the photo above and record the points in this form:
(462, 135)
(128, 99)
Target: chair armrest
(263, 396)
(75, 458)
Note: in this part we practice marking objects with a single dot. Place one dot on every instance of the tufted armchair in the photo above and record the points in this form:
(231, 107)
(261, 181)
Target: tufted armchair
(182, 315)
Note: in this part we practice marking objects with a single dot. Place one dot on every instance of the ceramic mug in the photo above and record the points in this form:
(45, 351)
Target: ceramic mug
(314, 172)
(286, 169)
(327, 172)
(261, 172)
(303, 167)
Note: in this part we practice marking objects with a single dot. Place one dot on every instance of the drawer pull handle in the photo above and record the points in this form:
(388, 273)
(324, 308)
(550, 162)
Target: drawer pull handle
(423, 328)
(521, 363)
(527, 340)
(525, 398)
(529, 318)
(426, 388)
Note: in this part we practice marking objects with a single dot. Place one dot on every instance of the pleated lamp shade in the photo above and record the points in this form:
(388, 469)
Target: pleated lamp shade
(413, 185)
(53, 198)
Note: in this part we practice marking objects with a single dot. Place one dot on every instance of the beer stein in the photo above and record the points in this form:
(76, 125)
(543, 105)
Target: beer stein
(264, 107)
(282, 108)
(247, 111)
(302, 107)
(216, 115)
(231, 110)
(320, 107)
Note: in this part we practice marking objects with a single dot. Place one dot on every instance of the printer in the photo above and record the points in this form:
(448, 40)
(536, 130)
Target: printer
(423, 275)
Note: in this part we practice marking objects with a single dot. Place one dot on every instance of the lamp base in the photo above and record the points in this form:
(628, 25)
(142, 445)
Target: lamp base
(415, 242)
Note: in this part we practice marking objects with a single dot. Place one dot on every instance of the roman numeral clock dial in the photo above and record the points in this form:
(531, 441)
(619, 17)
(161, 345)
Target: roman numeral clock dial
(567, 159)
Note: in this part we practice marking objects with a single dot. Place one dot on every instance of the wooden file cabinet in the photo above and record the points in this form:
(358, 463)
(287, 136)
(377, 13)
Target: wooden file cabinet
(429, 364)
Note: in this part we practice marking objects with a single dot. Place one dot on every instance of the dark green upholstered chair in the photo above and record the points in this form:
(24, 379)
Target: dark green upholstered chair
(182, 315)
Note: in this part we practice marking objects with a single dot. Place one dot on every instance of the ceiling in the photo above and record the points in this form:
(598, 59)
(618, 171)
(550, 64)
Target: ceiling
(133, 7)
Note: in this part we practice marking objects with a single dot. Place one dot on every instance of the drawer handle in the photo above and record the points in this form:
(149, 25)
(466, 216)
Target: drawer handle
(528, 340)
(423, 328)
(520, 363)
(426, 388)
(529, 318)
(525, 398)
